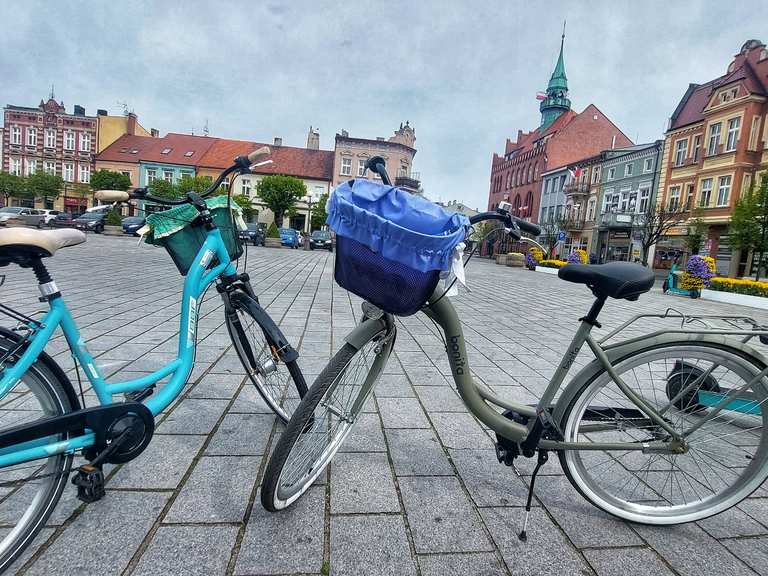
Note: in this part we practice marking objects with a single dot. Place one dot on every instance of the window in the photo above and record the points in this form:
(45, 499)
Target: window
(85, 173)
(696, 147)
(69, 172)
(624, 199)
(31, 167)
(166, 150)
(85, 142)
(528, 206)
(674, 198)
(69, 140)
(245, 186)
(50, 167)
(728, 95)
(168, 176)
(360, 168)
(753, 132)
(346, 166)
(189, 153)
(645, 198)
(681, 151)
(706, 192)
(688, 197)
(50, 138)
(648, 165)
(591, 209)
(611, 173)
(530, 173)
(128, 175)
(151, 175)
(16, 166)
(535, 170)
(734, 125)
(16, 135)
(714, 139)
(628, 170)
(723, 190)
(31, 136)
(595, 174)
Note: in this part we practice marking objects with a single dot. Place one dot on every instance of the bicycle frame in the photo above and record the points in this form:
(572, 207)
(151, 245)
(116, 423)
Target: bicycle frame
(198, 279)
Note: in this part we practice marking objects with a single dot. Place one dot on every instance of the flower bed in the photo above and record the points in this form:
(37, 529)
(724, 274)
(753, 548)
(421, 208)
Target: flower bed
(748, 287)
(578, 257)
(698, 273)
(552, 263)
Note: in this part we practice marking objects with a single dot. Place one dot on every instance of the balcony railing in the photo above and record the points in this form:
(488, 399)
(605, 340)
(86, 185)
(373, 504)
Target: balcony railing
(575, 188)
(618, 219)
(410, 182)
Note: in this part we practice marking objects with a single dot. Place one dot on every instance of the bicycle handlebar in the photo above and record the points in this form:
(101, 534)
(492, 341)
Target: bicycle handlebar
(509, 220)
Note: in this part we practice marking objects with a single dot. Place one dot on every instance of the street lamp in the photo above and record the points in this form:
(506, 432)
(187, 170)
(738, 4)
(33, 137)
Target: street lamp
(310, 198)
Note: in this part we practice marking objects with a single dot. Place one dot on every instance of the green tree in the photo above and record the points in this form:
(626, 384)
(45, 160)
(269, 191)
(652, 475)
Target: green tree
(198, 184)
(109, 180)
(655, 223)
(163, 189)
(280, 193)
(245, 204)
(113, 218)
(43, 185)
(697, 230)
(12, 186)
(319, 214)
(749, 224)
(272, 231)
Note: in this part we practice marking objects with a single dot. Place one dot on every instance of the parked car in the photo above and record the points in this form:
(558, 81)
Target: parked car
(132, 224)
(321, 240)
(91, 222)
(255, 234)
(49, 215)
(28, 216)
(62, 220)
(289, 237)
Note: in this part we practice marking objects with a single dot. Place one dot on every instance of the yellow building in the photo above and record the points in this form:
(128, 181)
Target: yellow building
(110, 128)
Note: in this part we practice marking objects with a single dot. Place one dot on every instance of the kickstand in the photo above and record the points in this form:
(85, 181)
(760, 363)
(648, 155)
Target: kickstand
(542, 459)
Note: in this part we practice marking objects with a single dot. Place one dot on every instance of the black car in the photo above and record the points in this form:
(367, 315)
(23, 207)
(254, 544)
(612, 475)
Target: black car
(255, 234)
(90, 222)
(321, 240)
(132, 224)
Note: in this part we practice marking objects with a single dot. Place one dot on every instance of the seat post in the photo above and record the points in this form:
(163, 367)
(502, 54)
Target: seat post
(594, 311)
(48, 287)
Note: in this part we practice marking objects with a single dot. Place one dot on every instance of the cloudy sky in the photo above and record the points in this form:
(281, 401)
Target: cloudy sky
(464, 74)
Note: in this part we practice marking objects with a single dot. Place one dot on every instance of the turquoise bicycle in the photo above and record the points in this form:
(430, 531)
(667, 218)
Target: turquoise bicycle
(43, 421)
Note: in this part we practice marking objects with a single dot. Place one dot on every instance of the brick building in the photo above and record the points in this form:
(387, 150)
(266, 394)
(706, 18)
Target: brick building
(715, 147)
(562, 138)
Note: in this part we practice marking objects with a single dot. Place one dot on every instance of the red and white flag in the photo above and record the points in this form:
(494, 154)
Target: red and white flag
(576, 172)
(541, 95)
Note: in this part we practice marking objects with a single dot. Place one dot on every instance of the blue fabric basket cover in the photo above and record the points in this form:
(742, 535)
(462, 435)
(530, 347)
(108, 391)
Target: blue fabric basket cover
(398, 225)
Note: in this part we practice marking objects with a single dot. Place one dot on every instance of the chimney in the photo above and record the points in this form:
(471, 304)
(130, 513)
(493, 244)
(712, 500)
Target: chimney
(101, 112)
(79, 110)
(154, 132)
(313, 139)
(278, 141)
(344, 134)
(131, 128)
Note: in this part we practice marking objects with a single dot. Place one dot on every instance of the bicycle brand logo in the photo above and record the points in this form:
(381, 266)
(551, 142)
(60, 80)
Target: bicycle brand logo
(571, 356)
(191, 322)
(206, 258)
(455, 352)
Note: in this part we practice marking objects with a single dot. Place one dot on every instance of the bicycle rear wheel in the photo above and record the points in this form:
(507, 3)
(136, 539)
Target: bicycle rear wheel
(726, 458)
(281, 384)
(29, 491)
(323, 420)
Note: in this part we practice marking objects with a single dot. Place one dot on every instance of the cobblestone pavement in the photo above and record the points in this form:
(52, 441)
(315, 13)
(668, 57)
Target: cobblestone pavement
(415, 490)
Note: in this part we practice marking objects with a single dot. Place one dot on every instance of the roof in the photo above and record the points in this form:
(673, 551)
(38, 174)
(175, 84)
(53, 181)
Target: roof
(183, 149)
(288, 160)
(122, 149)
(525, 141)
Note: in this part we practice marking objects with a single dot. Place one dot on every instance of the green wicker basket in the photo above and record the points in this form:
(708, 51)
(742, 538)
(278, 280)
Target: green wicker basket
(180, 232)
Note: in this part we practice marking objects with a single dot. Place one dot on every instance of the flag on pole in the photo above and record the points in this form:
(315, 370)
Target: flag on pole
(541, 95)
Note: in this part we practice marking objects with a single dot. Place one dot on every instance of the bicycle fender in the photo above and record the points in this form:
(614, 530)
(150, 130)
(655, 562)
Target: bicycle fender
(621, 351)
(273, 333)
(363, 332)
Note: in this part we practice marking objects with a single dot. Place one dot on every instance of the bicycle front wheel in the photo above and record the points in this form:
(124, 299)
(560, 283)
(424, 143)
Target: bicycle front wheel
(322, 421)
(726, 451)
(280, 384)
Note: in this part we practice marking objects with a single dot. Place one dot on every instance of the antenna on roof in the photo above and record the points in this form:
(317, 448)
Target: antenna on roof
(53, 94)
(192, 132)
(124, 106)
(205, 128)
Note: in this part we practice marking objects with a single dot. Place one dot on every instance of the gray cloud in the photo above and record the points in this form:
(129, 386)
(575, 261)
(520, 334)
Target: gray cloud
(464, 73)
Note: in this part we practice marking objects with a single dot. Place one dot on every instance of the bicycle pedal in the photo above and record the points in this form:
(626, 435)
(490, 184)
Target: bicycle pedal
(139, 395)
(90, 483)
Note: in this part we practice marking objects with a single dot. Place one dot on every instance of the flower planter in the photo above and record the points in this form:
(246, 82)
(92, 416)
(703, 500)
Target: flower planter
(515, 260)
(501, 259)
(735, 298)
(273, 243)
(547, 270)
(113, 230)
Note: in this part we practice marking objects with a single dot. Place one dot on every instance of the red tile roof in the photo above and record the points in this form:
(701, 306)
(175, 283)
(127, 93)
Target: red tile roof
(127, 149)
(183, 149)
(299, 162)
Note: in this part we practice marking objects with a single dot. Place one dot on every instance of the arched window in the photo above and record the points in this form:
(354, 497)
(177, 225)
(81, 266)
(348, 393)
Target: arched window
(516, 205)
(535, 170)
(528, 208)
(530, 173)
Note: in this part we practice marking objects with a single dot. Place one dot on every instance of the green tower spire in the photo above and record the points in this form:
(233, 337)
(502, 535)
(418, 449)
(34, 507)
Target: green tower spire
(557, 100)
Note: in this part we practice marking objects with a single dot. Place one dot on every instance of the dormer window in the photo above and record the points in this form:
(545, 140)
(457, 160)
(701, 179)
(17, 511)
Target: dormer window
(728, 95)
(189, 153)
(166, 151)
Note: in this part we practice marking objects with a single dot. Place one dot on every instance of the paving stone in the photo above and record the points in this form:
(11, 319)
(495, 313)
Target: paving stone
(732, 523)
(188, 551)
(402, 413)
(382, 536)
(362, 483)
(488, 482)
(193, 416)
(417, 453)
(216, 386)
(242, 435)
(217, 490)
(41, 538)
(546, 551)
(626, 562)
(249, 401)
(104, 537)
(752, 551)
(366, 436)
(440, 399)
(161, 465)
(477, 564)
(460, 430)
(393, 386)
(284, 543)
(441, 517)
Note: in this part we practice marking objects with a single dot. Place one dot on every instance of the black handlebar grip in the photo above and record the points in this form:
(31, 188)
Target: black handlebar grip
(532, 229)
(377, 164)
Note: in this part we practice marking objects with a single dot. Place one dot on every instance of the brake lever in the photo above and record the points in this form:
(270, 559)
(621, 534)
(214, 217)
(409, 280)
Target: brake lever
(514, 232)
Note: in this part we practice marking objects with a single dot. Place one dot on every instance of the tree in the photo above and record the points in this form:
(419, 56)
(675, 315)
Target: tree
(44, 185)
(697, 230)
(550, 230)
(197, 184)
(749, 224)
(245, 204)
(319, 214)
(12, 186)
(163, 189)
(109, 180)
(280, 193)
(655, 223)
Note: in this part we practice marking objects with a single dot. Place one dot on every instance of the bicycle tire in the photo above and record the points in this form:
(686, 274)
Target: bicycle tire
(273, 390)
(653, 505)
(59, 393)
(304, 420)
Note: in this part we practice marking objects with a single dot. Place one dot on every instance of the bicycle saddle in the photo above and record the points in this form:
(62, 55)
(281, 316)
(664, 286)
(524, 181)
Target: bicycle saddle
(21, 243)
(615, 279)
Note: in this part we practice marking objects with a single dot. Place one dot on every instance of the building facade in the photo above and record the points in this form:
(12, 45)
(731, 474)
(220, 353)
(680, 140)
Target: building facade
(715, 148)
(562, 138)
(351, 153)
(110, 128)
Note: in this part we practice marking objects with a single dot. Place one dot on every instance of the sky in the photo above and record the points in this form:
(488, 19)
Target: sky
(464, 74)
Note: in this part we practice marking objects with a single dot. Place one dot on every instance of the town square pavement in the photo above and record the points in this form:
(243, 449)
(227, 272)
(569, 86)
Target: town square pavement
(415, 490)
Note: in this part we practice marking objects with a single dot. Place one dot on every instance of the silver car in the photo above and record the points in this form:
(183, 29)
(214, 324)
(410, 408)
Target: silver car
(30, 216)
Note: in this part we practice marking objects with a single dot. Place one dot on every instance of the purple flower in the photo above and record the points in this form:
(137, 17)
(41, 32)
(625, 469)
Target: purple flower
(699, 268)
(574, 258)
(529, 259)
